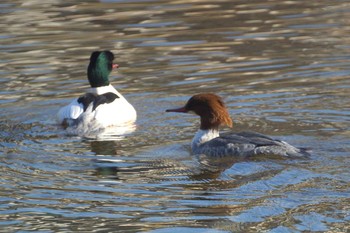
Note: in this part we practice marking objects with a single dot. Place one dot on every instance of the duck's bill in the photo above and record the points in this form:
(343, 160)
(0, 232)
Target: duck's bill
(177, 110)
(115, 66)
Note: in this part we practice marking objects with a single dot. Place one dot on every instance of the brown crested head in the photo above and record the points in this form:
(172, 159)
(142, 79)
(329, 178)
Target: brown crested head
(211, 109)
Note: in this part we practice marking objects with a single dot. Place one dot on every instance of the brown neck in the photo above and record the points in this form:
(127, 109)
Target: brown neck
(209, 122)
(213, 121)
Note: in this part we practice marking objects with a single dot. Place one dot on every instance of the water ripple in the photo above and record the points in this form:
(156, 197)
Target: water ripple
(281, 68)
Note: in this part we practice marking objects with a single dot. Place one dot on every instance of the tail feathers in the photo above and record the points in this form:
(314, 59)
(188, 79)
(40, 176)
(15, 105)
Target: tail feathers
(291, 151)
(305, 151)
(67, 122)
(298, 152)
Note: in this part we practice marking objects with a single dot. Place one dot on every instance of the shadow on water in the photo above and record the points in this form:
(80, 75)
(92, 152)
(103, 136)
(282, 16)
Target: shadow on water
(281, 66)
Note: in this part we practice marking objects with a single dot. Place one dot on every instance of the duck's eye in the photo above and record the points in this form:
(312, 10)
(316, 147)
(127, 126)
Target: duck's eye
(189, 107)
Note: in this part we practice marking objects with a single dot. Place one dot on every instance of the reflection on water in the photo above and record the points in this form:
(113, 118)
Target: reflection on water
(282, 67)
(93, 131)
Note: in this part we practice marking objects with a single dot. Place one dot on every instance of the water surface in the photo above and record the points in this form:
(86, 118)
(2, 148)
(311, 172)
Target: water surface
(281, 66)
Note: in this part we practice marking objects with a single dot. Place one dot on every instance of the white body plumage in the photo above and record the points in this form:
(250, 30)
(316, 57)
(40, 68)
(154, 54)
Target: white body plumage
(116, 113)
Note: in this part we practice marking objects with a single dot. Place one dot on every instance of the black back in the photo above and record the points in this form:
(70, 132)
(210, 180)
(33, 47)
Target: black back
(97, 100)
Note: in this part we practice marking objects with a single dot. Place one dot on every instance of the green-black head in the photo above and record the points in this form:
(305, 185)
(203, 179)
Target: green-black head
(101, 65)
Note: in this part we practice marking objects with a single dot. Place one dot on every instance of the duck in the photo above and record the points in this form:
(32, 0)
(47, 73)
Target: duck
(102, 105)
(213, 113)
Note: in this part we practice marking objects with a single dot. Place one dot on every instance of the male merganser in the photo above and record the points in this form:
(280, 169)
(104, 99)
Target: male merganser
(103, 104)
(207, 141)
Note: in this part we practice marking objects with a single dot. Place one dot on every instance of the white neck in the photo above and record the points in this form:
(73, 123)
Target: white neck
(105, 89)
(203, 136)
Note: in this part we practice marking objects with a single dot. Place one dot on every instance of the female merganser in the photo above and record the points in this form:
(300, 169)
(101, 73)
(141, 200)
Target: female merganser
(103, 104)
(207, 141)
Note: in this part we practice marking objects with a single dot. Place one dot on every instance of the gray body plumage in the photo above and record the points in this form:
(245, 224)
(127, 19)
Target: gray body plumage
(246, 144)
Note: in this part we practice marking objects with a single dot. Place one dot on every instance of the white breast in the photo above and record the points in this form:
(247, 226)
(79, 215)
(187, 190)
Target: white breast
(201, 137)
